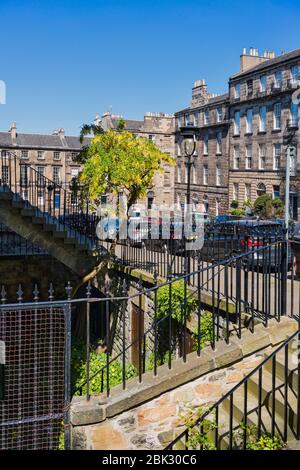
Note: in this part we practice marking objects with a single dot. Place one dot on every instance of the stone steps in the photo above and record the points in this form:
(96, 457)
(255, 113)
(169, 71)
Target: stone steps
(39, 227)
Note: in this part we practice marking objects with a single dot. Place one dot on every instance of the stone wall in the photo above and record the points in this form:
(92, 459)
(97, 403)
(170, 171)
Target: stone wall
(31, 270)
(146, 415)
(155, 424)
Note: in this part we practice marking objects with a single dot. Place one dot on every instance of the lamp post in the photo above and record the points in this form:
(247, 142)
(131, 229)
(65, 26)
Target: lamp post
(188, 147)
(289, 141)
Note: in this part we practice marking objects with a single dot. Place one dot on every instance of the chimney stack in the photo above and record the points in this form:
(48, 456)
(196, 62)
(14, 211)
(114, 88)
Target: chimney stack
(13, 133)
(199, 94)
(247, 61)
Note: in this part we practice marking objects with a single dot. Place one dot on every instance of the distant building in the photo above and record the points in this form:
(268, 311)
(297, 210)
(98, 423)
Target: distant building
(50, 154)
(261, 110)
(209, 173)
(240, 149)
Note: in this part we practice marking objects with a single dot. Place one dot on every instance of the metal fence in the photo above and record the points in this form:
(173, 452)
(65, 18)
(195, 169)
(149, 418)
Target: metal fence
(272, 410)
(130, 328)
(35, 395)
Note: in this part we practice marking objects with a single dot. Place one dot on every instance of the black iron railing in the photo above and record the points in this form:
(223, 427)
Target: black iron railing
(167, 321)
(58, 203)
(239, 420)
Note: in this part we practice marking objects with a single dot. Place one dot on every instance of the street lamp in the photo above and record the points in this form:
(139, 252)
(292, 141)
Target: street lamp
(188, 147)
(289, 141)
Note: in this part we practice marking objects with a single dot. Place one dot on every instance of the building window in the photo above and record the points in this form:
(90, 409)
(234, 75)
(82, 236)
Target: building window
(205, 175)
(219, 114)
(249, 87)
(276, 156)
(41, 155)
(40, 198)
(179, 121)
(205, 145)
(295, 74)
(56, 155)
(5, 174)
(294, 114)
(179, 174)
(219, 143)
(249, 121)
(166, 178)
(151, 137)
(218, 176)
(278, 79)
(74, 172)
(24, 175)
(276, 192)
(185, 173)
(247, 191)
(262, 119)
(235, 191)
(263, 83)
(74, 155)
(56, 174)
(40, 178)
(236, 157)
(24, 154)
(178, 150)
(248, 157)
(206, 116)
(261, 189)
(237, 91)
(193, 174)
(104, 200)
(262, 149)
(277, 116)
(237, 123)
(196, 118)
(218, 204)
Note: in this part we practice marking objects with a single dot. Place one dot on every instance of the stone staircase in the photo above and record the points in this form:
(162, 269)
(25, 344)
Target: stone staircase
(73, 249)
(275, 414)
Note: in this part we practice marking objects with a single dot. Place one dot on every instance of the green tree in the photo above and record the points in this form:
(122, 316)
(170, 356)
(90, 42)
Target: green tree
(117, 161)
(263, 206)
(121, 161)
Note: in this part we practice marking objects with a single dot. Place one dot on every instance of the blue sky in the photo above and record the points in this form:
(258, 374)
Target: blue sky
(63, 61)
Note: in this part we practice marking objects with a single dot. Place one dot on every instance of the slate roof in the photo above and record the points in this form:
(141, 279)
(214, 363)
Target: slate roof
(270, 63)
(131, 125)
(37, 141)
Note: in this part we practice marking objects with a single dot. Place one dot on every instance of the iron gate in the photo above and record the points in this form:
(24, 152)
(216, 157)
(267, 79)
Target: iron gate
(34, 403)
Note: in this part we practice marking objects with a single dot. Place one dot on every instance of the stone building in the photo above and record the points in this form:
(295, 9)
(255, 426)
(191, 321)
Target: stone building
(158, 127)
(261, 110)
(240, 149)
(209, 172)
(51, 155)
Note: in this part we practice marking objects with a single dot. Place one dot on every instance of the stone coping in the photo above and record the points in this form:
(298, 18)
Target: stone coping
(98, 408)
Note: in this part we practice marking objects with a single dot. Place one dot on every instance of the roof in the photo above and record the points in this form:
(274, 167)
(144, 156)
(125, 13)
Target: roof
(213, 100)
(131, 125)
(41, 141)
(270, 63)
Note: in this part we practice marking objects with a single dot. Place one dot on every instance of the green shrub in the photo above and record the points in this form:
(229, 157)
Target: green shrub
(177, 299)
(199, 436)
(264, 442)
(97, 362)
(206, 331)
(263, 206)
(237, 212)
(234, 204)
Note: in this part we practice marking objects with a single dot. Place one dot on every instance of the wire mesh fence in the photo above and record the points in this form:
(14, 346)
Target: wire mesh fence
(33, 404)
